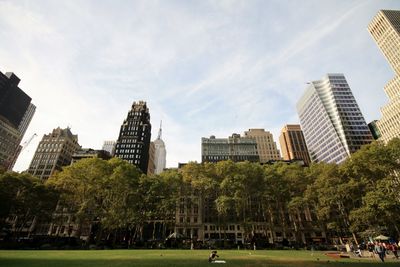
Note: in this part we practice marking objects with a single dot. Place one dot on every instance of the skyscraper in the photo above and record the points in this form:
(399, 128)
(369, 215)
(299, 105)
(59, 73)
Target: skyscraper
(13, 101)
(293, 145)
(26, 119)
(385, 30)
(266, 147)
(160, 153)
(54, 151)
(134, 136)
(16, 112)
(332, 123)
(109, 146)
(235, 148)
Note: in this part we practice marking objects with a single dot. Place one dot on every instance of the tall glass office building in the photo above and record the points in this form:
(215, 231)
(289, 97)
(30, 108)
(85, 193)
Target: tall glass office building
(332, 123)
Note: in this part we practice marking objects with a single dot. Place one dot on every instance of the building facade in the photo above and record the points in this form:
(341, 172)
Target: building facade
(54, 151)
(385, 30)
(332, 123)
(151, 168)
(373, 127)
(266, 146)
(16, 112)
(134, 137)
(293, 145)
(26, 119)
(160, 154)
(87, 153)
(9, 144)
(109, 146)
(235, 148)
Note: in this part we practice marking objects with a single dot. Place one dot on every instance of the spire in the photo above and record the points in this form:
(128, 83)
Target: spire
(159, 132)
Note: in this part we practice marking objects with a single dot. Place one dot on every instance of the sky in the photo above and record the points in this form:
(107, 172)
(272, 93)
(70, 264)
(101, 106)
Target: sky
(206, 67)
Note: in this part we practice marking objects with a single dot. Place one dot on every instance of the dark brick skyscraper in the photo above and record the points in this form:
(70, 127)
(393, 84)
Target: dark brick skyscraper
(134, 137)
(16, 112)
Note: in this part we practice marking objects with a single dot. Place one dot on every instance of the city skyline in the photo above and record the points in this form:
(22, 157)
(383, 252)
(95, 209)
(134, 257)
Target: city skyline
(203, 68)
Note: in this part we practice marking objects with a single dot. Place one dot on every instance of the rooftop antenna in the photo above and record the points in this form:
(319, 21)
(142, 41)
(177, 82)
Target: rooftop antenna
(159, 131)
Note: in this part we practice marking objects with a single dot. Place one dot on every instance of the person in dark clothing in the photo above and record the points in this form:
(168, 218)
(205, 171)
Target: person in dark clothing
(380, 250)
(212, 256)
(394, 248)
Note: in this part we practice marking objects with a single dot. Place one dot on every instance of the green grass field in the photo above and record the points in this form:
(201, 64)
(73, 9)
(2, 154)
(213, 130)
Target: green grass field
(169, 258)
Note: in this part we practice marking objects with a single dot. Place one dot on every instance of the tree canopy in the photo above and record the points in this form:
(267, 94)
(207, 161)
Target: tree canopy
(356, 198)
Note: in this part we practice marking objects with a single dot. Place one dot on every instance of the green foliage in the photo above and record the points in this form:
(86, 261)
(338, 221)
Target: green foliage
(359, 196)
(376, 167)
(23, 198)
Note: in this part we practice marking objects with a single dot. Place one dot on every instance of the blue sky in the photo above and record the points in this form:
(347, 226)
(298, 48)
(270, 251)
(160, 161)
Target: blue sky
(204, 67)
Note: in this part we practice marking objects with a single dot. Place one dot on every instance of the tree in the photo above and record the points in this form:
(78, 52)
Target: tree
(241, 190)
(9, 186)
(81, 185)
(334, 195)
(380, 211)
(25, 199)
(120, 196)
(373, 162)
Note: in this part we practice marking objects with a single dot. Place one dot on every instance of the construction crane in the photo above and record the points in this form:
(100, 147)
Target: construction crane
(18, 151)
(27, 142)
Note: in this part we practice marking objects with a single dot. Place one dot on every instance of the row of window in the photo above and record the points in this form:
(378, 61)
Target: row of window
(188, 220)
(128, 152)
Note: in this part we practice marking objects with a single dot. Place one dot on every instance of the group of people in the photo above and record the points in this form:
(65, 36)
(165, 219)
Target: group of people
(382, 248)
(378, 247)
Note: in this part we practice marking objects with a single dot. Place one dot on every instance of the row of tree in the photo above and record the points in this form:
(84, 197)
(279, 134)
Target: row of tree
(358, 198)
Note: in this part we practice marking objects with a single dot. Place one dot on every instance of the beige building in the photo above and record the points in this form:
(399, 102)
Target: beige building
(266, 147)
(293, 145)
(151, 168)
(385, 30)
(54, 151)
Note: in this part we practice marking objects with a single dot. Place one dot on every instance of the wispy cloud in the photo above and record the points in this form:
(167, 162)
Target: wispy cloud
(205, 67)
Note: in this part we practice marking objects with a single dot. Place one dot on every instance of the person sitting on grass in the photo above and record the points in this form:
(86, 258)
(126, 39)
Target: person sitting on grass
(212, 256)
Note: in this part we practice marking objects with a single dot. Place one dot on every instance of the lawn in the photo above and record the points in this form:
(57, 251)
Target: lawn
(170, 258)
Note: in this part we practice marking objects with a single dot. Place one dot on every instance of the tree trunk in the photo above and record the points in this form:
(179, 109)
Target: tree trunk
(32, 227)
(354, 237)
(77, 233)
(115, 237)
(154, 230)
